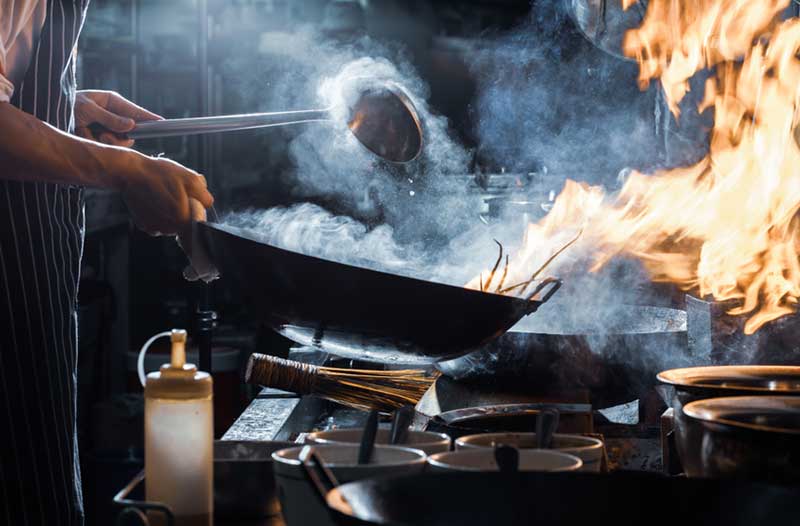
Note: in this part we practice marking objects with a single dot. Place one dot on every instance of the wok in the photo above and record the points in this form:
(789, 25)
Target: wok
(623, 498)
(615, 363)
(360, 313)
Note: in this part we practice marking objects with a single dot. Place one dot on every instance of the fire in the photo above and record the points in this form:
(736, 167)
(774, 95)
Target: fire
(728, 225)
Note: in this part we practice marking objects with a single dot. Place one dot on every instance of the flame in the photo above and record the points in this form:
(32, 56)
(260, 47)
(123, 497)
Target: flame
(728, 225)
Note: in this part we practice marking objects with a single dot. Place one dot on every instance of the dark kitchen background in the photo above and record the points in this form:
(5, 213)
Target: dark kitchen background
(207, 57)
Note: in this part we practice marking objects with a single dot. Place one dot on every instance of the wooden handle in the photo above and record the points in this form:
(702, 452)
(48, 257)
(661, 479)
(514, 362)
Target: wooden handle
(278, 373)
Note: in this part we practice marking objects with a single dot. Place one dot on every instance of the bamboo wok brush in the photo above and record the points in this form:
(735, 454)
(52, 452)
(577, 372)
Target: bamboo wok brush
(363, 389)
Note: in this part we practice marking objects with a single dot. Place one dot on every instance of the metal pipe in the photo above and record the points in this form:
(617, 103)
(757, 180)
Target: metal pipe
(223, 123)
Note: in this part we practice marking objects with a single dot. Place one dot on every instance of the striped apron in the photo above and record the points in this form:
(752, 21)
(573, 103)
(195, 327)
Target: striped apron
(41, 241)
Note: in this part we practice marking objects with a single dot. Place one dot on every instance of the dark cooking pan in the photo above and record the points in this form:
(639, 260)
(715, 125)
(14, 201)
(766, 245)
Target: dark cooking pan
(524, 498)
(614, 361)
(360, 313)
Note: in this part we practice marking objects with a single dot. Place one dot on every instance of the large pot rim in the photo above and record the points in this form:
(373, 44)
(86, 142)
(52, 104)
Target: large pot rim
(698, 377)
(720, 411)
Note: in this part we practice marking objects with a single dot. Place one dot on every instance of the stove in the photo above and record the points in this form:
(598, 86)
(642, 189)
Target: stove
(633, 442)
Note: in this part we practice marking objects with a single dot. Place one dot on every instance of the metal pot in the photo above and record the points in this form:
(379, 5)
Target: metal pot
(698, 383)
(751, 437)
(615, 365)
(244, 484)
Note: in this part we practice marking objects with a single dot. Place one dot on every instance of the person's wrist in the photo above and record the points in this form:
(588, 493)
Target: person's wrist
(128, 167)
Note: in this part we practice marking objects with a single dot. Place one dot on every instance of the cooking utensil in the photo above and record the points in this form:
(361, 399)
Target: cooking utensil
(604, 22)
(546, 424)
(615, 363)
(588, 449)
(695, 383)
(506, 458)
(426, 441)
(364, 389)
(752, 437)
(244, 484)
(401, 419)
(524, 498)
(300, 502)
(368, 438)
(492, 418)
(383, 119)
(360, 313)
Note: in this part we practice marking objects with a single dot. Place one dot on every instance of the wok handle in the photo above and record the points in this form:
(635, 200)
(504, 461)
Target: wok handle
(556, 284)
(319, 475)
(278, 373)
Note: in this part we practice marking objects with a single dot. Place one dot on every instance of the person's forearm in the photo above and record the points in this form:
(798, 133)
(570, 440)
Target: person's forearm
(31, 150)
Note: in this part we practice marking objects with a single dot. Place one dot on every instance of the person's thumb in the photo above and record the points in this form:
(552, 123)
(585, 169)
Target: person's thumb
(115, 123)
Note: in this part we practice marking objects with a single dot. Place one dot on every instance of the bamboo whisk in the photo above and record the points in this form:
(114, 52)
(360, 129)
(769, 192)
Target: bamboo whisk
(363, 389)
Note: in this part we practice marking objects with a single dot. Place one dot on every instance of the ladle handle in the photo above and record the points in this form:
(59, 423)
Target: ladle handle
(224, 123)
(319, 475)
(546, 425)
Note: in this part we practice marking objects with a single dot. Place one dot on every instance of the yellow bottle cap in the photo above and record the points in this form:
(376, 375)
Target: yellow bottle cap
(178, 380)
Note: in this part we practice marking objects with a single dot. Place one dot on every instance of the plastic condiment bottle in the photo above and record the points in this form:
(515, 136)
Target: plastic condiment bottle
(179, 439)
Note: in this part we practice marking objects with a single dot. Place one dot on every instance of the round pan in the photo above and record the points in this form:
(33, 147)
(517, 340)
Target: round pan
(361, 313)
(615, 365)
(511, 499)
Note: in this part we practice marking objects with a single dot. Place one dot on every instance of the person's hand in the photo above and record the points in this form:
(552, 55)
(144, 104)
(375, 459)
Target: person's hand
(163, 196)
(110, 110)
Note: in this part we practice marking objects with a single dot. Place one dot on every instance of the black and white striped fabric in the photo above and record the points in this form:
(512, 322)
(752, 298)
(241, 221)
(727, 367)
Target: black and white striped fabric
(41, 241)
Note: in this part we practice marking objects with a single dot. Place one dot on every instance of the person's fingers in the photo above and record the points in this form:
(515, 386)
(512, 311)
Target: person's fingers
(115, 123)
(84, 132)
(197, 210)
(115, 140)
(122, 106)
(196, 188)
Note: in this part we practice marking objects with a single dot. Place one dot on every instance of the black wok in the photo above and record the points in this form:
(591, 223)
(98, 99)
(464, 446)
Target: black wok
(357, 312)
(616, 363)
(623, 498)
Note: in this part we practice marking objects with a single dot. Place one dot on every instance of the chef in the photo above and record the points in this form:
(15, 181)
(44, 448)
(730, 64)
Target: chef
(47, 156)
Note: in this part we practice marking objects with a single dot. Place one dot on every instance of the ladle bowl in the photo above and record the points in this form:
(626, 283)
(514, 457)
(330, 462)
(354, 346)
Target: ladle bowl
(383, 119)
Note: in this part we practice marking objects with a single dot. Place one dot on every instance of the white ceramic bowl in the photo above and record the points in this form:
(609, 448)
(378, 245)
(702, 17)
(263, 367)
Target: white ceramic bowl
(427, 441)
(301, 503)
(480, 459)
(588, 449)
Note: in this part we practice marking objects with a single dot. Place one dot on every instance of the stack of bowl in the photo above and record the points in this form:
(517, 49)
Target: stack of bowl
(737, 421)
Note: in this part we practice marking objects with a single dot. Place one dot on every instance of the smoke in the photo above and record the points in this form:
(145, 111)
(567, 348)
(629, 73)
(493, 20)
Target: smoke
(327, 165)
(549, 97)
(545, 97)
(312, 230)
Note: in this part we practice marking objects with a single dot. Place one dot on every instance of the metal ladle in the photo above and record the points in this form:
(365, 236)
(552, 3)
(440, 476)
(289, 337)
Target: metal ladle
(383, 119)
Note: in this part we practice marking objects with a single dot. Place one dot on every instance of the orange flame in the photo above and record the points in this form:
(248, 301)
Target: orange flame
(728, 225)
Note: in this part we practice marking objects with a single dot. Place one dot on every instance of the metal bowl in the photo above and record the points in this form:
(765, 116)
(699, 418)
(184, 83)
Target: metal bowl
(244, 484)
(697, 383)
(753, 437)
